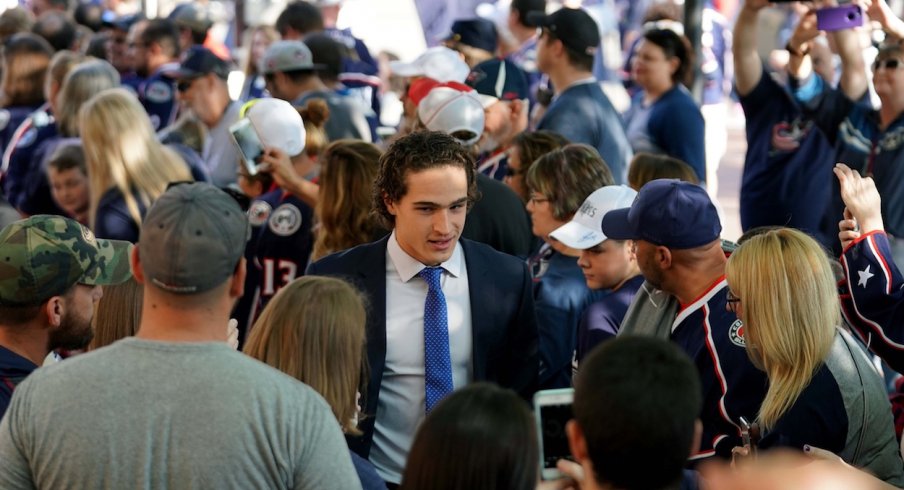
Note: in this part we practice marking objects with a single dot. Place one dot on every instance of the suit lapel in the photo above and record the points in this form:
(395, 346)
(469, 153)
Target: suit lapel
(477, 267)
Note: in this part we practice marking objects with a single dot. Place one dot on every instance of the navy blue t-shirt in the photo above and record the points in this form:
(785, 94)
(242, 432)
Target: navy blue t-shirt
(13, 370)
(601, 320)
(788, 168)
(10, 119)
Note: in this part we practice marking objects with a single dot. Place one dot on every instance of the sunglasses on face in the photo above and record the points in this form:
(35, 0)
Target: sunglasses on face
(888, 64)
(184, 85)
(512, 172)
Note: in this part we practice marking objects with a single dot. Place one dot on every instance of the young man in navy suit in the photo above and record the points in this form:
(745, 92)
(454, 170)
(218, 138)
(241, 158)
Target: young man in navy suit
(444, 311)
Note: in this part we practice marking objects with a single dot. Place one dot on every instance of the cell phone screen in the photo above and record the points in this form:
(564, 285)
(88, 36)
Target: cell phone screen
(555, 442)
(249, 144)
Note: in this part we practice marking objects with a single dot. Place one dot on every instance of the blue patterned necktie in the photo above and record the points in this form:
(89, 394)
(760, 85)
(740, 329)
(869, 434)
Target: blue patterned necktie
(437, 360)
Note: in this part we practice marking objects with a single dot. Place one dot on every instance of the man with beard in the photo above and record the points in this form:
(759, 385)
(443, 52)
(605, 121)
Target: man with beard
(154, 49)
(50, 277)
(503, 91)
(676, 230)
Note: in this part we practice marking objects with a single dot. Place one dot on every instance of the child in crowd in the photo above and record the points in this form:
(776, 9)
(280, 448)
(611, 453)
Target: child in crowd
(68, 177)
(607, 265)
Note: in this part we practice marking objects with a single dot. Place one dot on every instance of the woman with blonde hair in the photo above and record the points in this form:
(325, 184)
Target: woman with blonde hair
(823, 392)
(257, 38)
(127, 167)
(313, 330)
(347, 172)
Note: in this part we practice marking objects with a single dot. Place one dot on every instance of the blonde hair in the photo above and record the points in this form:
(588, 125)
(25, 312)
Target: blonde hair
(85, 81)
(789, 306)
(269, 32)
(117, 314)
(122, 151)
(313, 330)
(347, 172)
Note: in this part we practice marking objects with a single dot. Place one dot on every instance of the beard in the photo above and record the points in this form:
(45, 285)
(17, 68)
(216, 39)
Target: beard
(74, 333)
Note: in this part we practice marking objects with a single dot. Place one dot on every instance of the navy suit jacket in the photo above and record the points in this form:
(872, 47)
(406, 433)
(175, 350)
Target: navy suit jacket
(503, 324)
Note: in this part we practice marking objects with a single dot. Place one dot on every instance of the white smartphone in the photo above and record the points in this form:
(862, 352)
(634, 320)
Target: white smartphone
(248, 143)
(552, 410)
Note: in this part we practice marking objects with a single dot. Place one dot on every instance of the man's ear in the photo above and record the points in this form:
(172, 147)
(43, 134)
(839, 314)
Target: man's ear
(698, 436)
(53, 310)
(390, 205)
(237, 286)
(664, 257)
(577, 444)
(135, 263)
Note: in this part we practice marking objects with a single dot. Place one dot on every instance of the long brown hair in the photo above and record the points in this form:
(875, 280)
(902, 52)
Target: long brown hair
(348, 170)
(313, 330)
(117, 314)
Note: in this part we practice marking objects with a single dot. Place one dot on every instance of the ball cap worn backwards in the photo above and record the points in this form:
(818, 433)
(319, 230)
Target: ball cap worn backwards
(43, 256)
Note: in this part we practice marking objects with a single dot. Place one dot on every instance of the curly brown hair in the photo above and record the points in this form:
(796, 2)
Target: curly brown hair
(414, 152)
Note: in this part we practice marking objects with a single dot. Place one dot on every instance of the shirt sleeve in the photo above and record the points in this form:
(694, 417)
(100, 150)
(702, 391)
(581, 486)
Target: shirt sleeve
(324, 461)
(15, 472)
(872, 297)
(678, 129)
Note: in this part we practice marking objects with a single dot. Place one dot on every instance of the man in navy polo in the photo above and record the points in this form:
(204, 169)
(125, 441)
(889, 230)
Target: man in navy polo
(676, 231)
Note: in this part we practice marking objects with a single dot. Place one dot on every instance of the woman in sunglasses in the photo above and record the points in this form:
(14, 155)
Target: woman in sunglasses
(823, 391)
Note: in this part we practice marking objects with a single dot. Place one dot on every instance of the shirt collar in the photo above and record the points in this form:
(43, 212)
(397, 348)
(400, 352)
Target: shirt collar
(408, 267)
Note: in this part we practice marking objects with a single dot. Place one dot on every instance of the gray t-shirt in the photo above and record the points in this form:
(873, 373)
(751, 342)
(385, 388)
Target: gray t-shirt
(145, 414)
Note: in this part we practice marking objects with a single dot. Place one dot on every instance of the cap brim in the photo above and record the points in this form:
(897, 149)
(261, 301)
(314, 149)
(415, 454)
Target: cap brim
(181, 74)
(616, 225)
(404, 69)
(113, 264)
(578, 236)
(536, 18)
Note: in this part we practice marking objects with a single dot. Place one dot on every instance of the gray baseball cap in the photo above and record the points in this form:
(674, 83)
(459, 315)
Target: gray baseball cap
(192, 239)
(288, 56)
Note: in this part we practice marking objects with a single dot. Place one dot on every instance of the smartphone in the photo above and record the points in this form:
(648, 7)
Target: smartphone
(838, 18)
(248, 143)
(749, 436)
(552, 409)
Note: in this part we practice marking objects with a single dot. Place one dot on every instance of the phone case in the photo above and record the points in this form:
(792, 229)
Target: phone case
(837, 18)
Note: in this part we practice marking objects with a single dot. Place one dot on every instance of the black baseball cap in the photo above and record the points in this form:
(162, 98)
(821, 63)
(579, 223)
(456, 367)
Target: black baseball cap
(477, 33)
(198, 61)
(574, 27)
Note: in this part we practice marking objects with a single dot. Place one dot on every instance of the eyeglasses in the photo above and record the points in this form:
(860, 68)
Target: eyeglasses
(731, 302)
(537, 200)
(513, 172)
(888, 64)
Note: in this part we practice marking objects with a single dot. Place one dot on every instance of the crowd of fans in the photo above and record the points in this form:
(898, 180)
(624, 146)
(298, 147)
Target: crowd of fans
(274, 287)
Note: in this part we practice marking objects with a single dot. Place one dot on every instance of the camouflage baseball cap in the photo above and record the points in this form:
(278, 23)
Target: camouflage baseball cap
(44, 256)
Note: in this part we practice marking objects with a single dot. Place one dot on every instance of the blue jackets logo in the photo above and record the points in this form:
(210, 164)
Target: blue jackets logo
(736, 333)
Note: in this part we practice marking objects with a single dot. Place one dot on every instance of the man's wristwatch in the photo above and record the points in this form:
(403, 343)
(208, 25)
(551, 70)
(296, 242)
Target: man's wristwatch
(803, 51)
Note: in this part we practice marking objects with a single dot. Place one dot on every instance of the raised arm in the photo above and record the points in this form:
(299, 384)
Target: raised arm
(747, 63)
(879, 11)
(853, 81)
(800, 66)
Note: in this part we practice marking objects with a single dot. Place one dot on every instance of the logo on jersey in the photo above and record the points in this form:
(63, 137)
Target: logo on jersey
(259, 212)
(736, 333)
(286, 220)
(786, 136)
(158, 92)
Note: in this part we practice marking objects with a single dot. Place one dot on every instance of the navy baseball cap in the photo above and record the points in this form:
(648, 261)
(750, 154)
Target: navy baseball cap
(574, 27)
(667, 212)
(497, 80)
(198, 61)
(477, 33)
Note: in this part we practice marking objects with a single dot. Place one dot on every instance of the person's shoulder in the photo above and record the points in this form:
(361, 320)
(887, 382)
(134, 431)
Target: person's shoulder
(346, 259)
(483, 253)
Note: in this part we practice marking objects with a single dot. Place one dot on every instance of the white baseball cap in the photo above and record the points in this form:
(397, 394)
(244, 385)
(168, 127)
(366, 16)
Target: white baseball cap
(439, 63)
(585, 230)
(277, 124)
(449, 110)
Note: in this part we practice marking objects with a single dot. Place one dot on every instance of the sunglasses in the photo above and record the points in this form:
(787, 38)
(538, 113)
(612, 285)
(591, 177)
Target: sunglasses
(184, 85)
(731, 302)
(888, 64)
(513, 172)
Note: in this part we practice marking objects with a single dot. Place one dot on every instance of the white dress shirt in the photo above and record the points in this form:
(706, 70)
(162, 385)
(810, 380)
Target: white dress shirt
(400, 407)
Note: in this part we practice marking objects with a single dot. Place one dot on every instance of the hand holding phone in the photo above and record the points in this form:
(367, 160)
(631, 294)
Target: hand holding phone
(248, 143)
(552, 409)
(838, 18)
